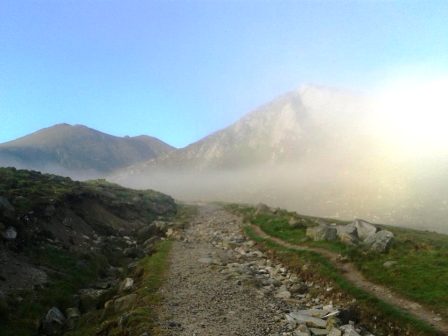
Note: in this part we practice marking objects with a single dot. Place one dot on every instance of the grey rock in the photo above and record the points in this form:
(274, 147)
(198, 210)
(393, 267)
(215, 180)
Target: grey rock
(125, 302)
(348, 234)
(364, 228)
(127, 284)
(53, 322)
(261, 209)
(318, 331)
(379, 241)
(10, 233)
(389, 263)
(162, 226)
(349, 330)
(299, 288)
(295, 223)
(322, 232)
(283, 294)
(335, 332)
(308, 320)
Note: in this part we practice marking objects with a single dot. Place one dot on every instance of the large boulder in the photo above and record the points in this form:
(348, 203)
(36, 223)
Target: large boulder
(322, 232)
(364, 228)
(53, 322)
(379, 241)
(348, 234)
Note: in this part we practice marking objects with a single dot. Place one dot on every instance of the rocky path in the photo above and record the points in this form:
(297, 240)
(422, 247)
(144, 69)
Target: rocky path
(200, 299)
(351, 273)
(219, 284)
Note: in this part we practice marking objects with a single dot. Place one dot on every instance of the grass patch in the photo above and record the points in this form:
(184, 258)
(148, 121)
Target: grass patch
(369, 304)
(150, 274)
(421, 269)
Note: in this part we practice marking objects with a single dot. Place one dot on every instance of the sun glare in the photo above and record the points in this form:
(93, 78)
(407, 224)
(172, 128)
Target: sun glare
(413, 116)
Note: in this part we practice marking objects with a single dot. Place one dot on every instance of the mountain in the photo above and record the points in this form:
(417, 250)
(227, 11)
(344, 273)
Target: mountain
(289, 128)
(79, 151)
(313, 150)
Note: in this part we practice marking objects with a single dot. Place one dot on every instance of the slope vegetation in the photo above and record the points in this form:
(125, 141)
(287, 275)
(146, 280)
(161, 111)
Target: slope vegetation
(65, 247)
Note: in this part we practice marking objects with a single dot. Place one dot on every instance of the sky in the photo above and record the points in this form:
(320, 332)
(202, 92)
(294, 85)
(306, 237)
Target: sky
(179, 70)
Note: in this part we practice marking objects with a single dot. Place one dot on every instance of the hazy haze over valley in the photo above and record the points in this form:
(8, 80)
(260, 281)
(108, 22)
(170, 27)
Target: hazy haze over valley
(316, 150)
(333, 108)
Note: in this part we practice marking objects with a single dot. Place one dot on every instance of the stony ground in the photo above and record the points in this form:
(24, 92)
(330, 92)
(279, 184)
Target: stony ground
(219, 284)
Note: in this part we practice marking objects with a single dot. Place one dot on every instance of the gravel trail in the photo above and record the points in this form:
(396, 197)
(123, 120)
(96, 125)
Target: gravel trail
(199, 299)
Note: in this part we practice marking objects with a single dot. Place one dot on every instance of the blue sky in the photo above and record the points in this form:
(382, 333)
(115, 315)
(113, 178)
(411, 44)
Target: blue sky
(179, 70)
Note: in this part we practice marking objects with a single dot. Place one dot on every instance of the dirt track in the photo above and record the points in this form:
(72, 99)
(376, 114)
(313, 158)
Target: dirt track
(351, 273)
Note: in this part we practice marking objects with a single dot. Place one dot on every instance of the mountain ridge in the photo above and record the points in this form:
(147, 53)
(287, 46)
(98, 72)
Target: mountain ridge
(78, 150)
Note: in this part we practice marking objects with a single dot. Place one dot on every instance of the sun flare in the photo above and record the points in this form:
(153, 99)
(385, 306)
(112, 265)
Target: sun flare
(413, 115)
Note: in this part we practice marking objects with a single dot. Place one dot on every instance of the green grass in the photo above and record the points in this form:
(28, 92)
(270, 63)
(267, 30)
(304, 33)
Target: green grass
(421, 272)
(369, 304)
(70, 275)
(151, 272)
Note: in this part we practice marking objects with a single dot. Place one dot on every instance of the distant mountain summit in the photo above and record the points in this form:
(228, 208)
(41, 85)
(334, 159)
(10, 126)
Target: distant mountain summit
(79, 151)
(292, 127)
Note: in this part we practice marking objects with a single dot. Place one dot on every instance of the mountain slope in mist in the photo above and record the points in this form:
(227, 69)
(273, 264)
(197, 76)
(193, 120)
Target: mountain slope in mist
(78, 151)
(294, 126)
(312, 150)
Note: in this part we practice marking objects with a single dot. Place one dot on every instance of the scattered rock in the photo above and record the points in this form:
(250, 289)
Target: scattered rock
(364, 228)
(261, 208)
(379, 241)
(349, 330)
(318, 331)
(322, 232)
(125, 302)
(53, 322)
(10, 233)
(126, 285)
(348, 234)
(389, 264)
(335, 332)
(308, 320)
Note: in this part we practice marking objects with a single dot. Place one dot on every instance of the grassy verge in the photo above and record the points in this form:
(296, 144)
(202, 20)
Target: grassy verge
(420, 272)
(372, 309)
(150, 273)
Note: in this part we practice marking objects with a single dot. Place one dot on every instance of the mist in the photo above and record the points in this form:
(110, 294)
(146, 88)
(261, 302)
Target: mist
(369, 157)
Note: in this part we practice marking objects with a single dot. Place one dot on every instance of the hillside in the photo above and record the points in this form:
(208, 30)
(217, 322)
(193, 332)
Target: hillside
(67, 244)
(78, 151)
(291, 127)
(314, 150)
